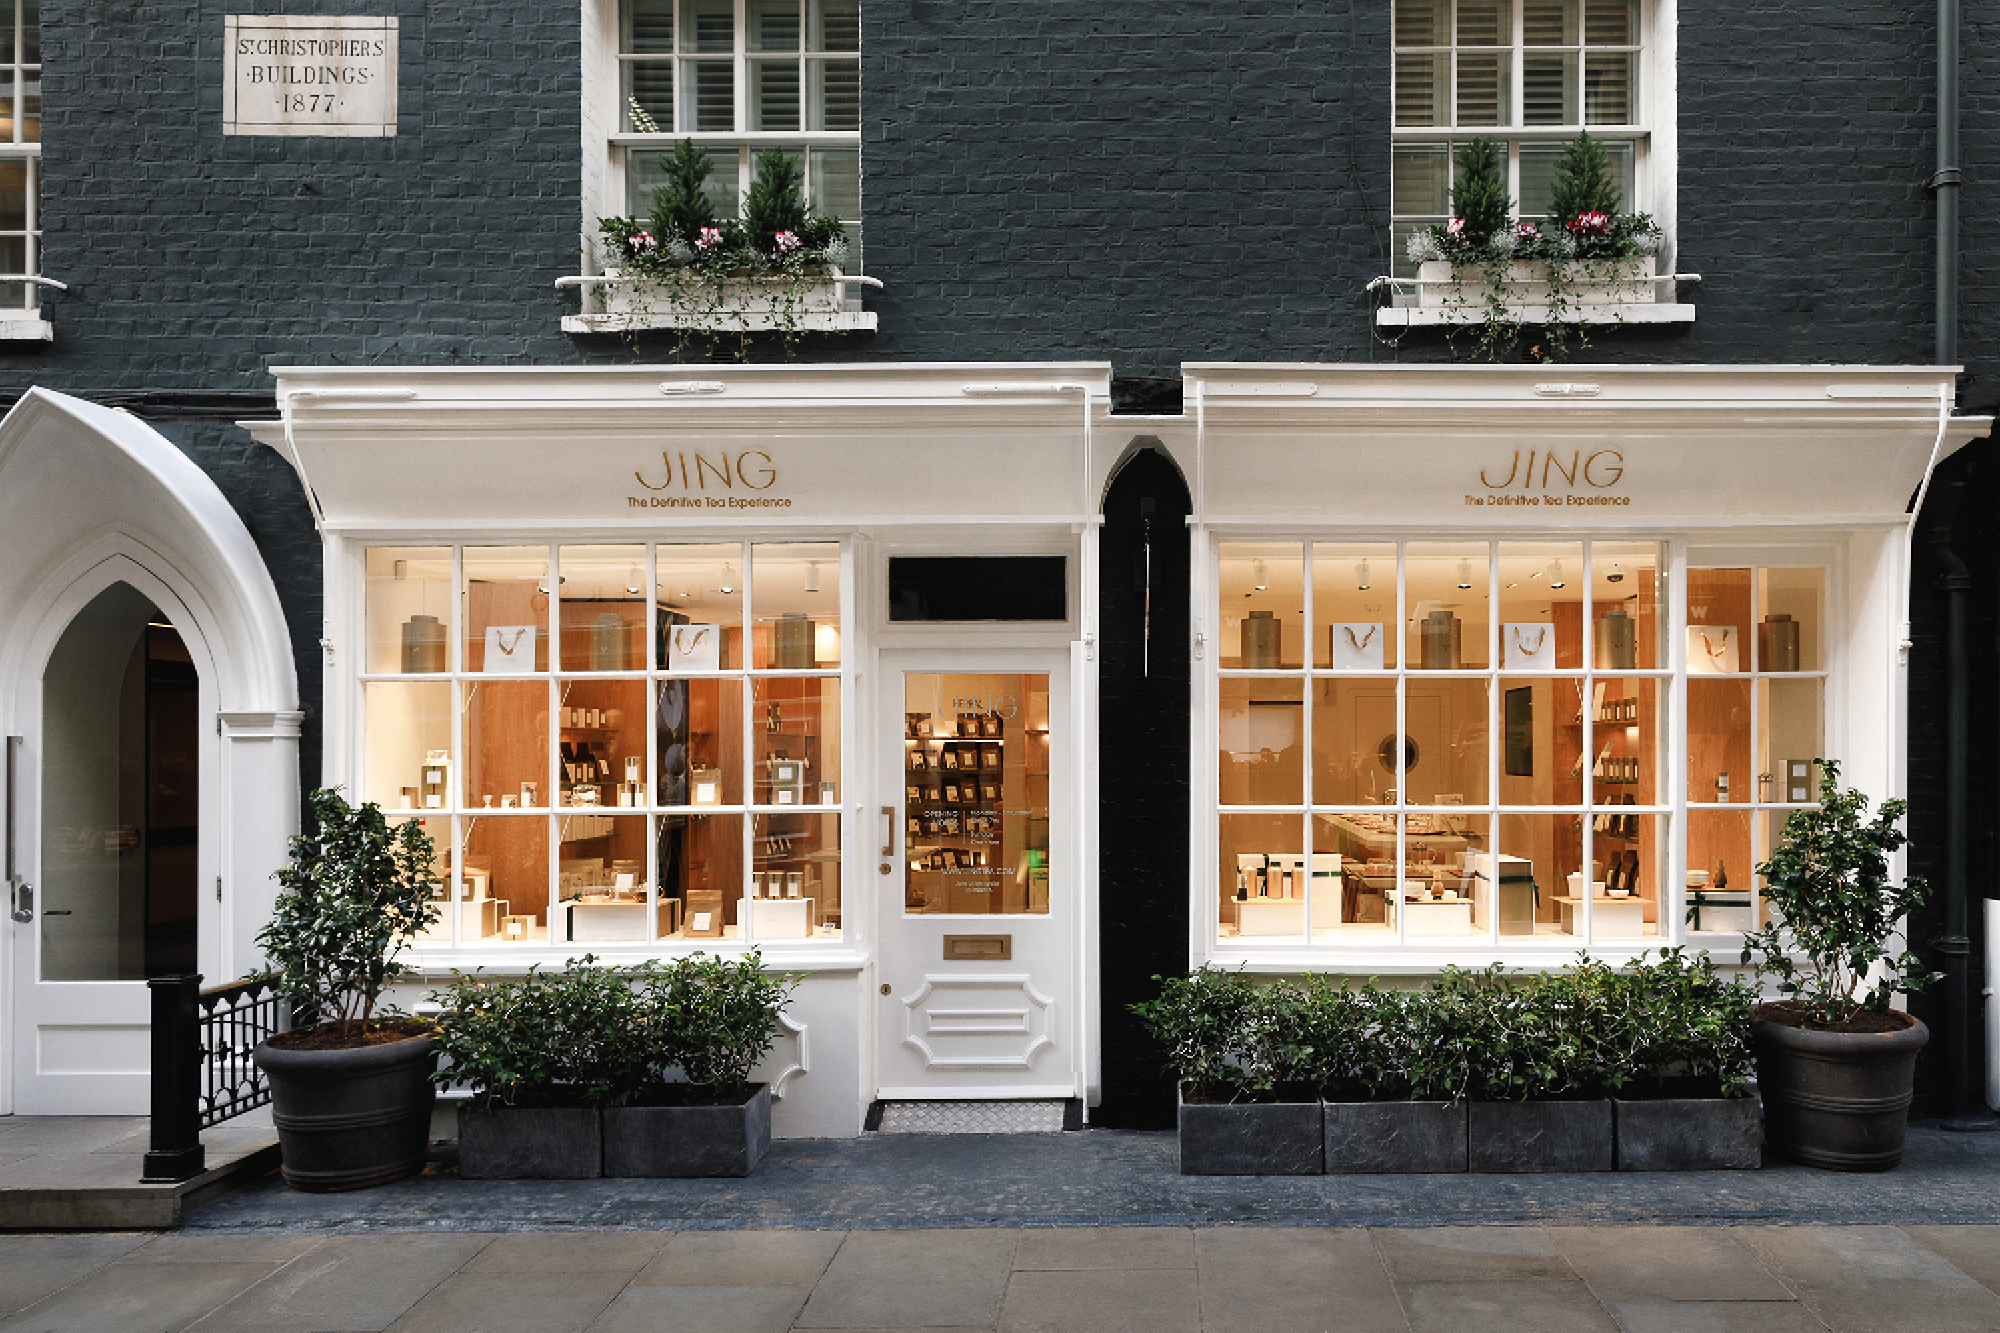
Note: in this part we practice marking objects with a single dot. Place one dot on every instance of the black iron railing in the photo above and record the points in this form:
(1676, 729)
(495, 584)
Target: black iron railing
(203, 1073)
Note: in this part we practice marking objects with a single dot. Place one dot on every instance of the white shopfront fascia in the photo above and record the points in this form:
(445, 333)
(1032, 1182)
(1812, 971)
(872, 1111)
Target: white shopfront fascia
(907, 459)
(1723, 462)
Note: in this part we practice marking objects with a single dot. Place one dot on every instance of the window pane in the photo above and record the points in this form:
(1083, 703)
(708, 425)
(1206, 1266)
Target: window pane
(1625, 735)
(1542, 851)
(602, 742)
(774, 94)
(708, 25)
(1485, 23)
(407, 761)
(506, 743)
(511, 854)
(1261, 757)
(1353, 875)
(1625, 606)
(1718, 628)
(1794, 735)
(834, 188)
(976, 798)
(31, 107)
(1483, 92)
(1719, 878)
(13, 197)
(1445, 593)
(1421, 180)
(835, 95)
(1608, 89)
(1541, 741)
(1445, 752)
(1261, 856)
(506, 609)
(31, 32)
(1262, 597)
(798, 741)
(1540, 584)
(1538, 177)
(1420, 81)
(1627, 858)
(649, 102)
(774, 25)
(1548, 89)
(795, 876)
(649, 26)
(1441, 895)
(709, 95)
(698, 588)
(1788, 636)
(1548, 22)
(1719, 742)
(836, 25)
(701, 873)
(409, 608)
(797, 600)
(1421, 23)
(1355, 757)
(602, 885)
(1354, 603)
(698, 726)
(603, 608)
(644, 172)
(1611, 22)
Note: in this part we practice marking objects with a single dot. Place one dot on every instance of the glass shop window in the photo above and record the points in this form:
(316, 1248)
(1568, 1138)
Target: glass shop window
(612, 744)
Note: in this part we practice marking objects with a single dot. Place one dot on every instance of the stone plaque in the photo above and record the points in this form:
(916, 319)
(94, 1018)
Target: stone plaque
(305, 75)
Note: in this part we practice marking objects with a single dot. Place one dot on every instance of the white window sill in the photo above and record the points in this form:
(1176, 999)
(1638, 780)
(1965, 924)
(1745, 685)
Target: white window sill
(732, 305)
(26, 328)
(1627, 293)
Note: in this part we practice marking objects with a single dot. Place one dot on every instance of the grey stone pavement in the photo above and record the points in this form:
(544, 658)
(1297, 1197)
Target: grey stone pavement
(1087, 1231)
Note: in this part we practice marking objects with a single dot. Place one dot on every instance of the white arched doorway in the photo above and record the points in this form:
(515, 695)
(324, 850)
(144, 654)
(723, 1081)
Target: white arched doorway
(106, 529)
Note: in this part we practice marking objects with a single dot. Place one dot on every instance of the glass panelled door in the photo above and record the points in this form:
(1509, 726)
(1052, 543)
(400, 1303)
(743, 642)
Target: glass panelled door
(978, 932)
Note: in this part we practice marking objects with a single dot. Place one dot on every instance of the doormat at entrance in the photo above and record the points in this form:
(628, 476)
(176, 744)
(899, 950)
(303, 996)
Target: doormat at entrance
(972, 1117)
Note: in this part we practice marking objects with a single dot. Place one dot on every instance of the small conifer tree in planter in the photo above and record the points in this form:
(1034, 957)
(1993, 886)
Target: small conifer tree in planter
(1835, 1062)
(351, 1091)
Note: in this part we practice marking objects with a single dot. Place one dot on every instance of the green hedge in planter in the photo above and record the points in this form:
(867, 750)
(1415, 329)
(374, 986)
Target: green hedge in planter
(1661, 1024)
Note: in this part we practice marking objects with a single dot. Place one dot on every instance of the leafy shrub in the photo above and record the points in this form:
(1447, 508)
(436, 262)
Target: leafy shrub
(1481, 1035)
(355, 893)
(1829, 881)
(717, 1018)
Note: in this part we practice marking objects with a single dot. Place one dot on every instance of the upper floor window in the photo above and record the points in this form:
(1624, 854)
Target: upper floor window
(740, 76)
(20, 153)
(1529, 73)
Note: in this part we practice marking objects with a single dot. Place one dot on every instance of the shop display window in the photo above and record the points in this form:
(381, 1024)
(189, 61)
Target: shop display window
(1721, 856)
(1541, 587)
(1446, 596)
(588, 762)
(1262, 755)
(1263, 872)
(1354, 606)
(1262, 622)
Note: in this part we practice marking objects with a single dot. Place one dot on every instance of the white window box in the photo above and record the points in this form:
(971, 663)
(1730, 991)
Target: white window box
(731, 304)
(1626, 291)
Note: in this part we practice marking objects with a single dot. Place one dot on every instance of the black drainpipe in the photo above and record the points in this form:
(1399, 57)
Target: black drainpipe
(1944, 183)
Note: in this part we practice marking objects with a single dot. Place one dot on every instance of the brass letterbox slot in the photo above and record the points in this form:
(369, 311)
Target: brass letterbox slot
(979, 947)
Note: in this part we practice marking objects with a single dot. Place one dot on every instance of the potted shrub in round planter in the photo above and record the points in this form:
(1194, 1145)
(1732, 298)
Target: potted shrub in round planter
(351, 1093)
(1834, 1061)
(543, 1054)
(713, 1019)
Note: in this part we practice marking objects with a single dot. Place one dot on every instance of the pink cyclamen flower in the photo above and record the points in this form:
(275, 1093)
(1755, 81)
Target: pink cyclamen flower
(642, 241)
(1455, 227)
(710, 238)
(1592, 223)
(1527, 231)
(787, 241)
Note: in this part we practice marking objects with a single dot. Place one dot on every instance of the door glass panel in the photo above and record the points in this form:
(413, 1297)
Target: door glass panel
(976, 793)
(119, 795)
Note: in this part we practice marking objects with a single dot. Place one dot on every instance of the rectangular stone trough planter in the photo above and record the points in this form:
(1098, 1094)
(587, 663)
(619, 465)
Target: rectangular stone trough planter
(1394, 1138)
(1539, 1136)
(1251, 1138)
(653, 1142)
(1690, 1134)
(530, 1143)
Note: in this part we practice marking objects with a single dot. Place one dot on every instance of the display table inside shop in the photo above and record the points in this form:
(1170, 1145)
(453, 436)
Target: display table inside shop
(1431, 917)
(1509, 880)
(1271, 916)
(477, 920)
(604, 919)
(1611, 916)
(1719, 909)
(778, 918)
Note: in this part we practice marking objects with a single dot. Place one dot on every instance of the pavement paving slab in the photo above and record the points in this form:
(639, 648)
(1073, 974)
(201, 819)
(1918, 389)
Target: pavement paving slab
(345, 1284)
(513, 1302)
(1519, 1305)
(1714, 1317)
(1662, 1263)
(32, 1267)
(1153, 1300)
(742, 1259)
(1467, 1254)
(138, 1298)
(707, 1309)
(942, 1279)
(1865, 1279)
(1105, 1247)
(1293, 1280)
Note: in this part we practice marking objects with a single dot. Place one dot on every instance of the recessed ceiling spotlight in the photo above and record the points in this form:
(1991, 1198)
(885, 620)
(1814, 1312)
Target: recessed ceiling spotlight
(1555, 573)
(1465, 573)
(1361, 577)
(1263, 579)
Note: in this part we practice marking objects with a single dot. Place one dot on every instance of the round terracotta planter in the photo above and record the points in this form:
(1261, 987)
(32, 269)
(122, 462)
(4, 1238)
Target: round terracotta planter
(1838, 1100)
(350, 1119)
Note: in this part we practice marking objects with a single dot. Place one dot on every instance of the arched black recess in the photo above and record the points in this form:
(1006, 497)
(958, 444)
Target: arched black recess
(1142, 772)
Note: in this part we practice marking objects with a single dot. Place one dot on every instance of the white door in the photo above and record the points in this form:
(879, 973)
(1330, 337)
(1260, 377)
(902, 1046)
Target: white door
(979, 921)
(106, 820)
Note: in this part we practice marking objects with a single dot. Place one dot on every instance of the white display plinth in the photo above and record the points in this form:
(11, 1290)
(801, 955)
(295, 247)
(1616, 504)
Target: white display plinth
(1271, 916)
(1447, 917)
(779, 918)
(1609, 916)
(604, 922)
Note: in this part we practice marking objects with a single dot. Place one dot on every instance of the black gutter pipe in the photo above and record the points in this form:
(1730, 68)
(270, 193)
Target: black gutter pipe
(1944, 184)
